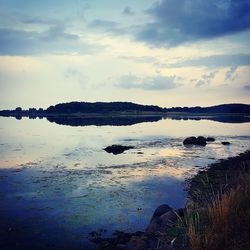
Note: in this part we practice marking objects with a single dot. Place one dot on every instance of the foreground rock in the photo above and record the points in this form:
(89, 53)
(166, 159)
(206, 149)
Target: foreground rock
(163, 217)
(117, 149)
(200, 141)
(156, 235)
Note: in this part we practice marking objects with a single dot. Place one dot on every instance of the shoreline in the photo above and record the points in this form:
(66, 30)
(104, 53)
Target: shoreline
(164, 231)
(220, 175)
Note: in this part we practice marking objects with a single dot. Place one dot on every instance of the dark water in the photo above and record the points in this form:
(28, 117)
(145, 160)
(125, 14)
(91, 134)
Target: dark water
(57, 184)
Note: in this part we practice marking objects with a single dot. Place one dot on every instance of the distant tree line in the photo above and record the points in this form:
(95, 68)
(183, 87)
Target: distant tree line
(101, 107)
(224, 108)
(119, 107)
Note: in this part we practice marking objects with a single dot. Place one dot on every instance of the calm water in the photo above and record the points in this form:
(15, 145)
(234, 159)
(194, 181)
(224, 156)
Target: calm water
(57, 183)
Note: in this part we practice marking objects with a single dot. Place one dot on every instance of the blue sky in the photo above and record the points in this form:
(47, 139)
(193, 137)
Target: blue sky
(169, 53)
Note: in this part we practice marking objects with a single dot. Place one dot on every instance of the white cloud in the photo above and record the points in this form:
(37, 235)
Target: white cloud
(153, 83)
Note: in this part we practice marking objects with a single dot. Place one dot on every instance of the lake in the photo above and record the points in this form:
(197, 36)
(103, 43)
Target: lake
(57, 184)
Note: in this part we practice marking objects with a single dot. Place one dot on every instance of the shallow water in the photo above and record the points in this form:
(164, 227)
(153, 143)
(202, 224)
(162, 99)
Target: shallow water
(57, 184)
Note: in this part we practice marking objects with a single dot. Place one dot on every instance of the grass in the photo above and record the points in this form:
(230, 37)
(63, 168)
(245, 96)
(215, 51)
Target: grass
(224, 222)
(217, 212)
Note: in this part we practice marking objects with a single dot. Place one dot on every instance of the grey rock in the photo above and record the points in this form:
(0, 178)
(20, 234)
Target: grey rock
(163, 217)
(162, 209)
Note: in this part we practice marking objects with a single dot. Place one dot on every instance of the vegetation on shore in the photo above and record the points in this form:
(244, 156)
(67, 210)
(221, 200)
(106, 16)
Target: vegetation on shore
(218, 209)
(224, 222)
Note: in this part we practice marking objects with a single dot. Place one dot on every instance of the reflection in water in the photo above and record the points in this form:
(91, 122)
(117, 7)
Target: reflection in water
(130, 120)
(127, 120)
(57, 183)
(102, 120)
(224, 119)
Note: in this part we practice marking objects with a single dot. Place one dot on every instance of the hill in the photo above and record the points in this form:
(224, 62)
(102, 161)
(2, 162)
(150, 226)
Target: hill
(126, 108)
(101, 107)
(234, 108)
(107, 107)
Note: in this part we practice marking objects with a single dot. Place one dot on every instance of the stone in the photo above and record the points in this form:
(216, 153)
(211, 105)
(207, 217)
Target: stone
(210, 139)
(162, 209)
(169, 218)
(200, 141)
(117, 149)
(163, 217)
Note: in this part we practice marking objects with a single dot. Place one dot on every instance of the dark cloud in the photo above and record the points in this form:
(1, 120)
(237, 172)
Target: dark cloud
(148, 83)
(214, 61)
(128, 11)
(54, 40)
(176, 22)
(231, 73)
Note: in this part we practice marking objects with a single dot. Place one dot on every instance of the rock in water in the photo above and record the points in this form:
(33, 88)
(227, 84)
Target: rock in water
(225, 143)
(210, 139)
(200, 141)
(190, 140)
(117, 149)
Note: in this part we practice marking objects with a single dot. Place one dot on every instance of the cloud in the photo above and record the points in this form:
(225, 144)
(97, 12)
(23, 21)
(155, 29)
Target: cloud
(102, 24)
(36, 20)
(140, 59)
(231, 73)
(176, 22)
(58, 32)
(128, 11)
(75, 75)
(148, 83)
(205, 79)
(246, 88)
(213, 61)
(54, 40)
(106, 26)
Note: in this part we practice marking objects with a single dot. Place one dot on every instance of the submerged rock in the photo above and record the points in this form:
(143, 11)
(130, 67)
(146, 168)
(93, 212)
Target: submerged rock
(200, 141)
(117, 149)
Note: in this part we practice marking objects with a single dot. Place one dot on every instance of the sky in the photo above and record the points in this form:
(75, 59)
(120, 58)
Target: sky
(165, 52)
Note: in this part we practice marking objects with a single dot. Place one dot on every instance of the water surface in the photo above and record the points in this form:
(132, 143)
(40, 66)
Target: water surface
(57, 183)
